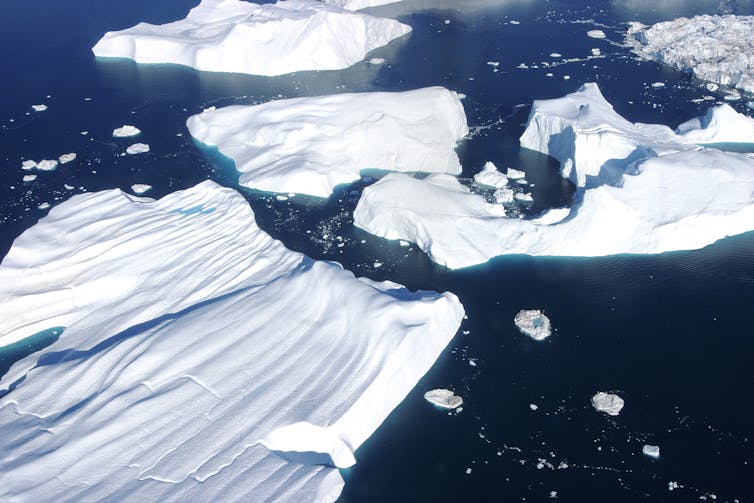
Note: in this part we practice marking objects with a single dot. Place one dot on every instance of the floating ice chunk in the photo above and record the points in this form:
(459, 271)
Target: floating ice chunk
(595, 34)
(376, 61)
(504, 195)
(523, 197)
(44, 206)
(714, 48)
(556, 55)
(533, 323)
(658, 84)
(515, 174)
(192, 355)
(358, 4)
(140, 188)
(533, 406)
(310, 145)
(39, 108)
(653, 451)
(28, 165)
(494, 64)
(66, 158)
(443, 398)
(491, 177)
(673, 485)
(137, 148)
(513, 21)
(47, 165)
(29, 178)
(596, 52)
(126, 131)
(269, 39)
(608, 403)
(732, 96)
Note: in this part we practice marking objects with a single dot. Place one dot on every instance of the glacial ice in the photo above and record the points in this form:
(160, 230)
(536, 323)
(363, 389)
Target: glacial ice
(137, 148)
(443, 398)
(200, 359)
(125, 131)
(719, 49)
(643, 189)
(269, 39)
(534, 323)
(608, 403)
(309, 145)
(653, 451)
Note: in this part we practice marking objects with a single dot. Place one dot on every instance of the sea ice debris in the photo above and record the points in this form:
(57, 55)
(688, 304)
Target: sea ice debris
(29, 178)
(534, 323)
(28, 165)
(47, 165)
(595, 34)
(443, 398)
(608, 403)
(39, 108)
(140, 188)
(653, 451)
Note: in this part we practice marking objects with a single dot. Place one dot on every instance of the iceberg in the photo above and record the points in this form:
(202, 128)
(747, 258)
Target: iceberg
(718, 49)
(66, 158)
(644, 190)
(47, 165)
(199, 359)
(309, 145)
(533, 323)
(653, 451)
(126, 131)
(269, 39)
(140, 188)
(491, 177)
(29, 178)
(595, 34)
(39, 108)
(443, 398)
(28, 165)
(608, 403)
(137, 148)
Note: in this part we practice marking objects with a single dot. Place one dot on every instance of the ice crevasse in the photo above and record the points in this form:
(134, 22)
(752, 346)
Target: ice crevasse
(200, 359)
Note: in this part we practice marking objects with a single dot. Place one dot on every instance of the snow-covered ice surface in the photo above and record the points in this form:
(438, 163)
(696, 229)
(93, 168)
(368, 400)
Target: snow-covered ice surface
(609, 403)
(200, 360)
(140, 188)
(358, 4)
(269, 39)
(444, 398)
(533, 323)
(125, 131)
(310, 145)
(653, 451)
(137, 148)
(719, 49)
(644, 189)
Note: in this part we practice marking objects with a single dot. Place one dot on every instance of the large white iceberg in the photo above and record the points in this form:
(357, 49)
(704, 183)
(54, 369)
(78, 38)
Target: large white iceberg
(200, 359)
(715, 48)
(646, 190)
(243, 37)
(310, 145)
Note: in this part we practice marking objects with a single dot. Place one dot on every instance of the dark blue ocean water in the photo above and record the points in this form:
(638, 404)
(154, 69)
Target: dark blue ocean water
(672, 334)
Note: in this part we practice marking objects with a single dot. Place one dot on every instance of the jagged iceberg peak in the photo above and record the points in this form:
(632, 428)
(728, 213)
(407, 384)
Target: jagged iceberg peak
(269, 39)
(663, 193)
(719, 49)
(310, 145)
(200, 360)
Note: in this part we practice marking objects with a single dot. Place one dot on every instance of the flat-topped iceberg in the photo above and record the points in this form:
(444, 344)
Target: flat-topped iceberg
(534, 323)
(609, 403)
(719, 49)
(310, 145)
(243, 37)
(199, 360)
(443, 398)
(659, 192)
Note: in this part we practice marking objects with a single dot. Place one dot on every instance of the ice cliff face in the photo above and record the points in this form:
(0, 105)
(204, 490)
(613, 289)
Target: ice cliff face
(200, 360)
(715, 48)
(269, 39)
(310, 145)
(644, 189)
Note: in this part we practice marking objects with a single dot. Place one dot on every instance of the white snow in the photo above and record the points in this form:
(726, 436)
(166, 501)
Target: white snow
(39, 108)
(443, 398)
(126, 131)
(491, 177)
(137, 148)
(140, 188)
(47, 165)
(719, 49)
(310, 145)
(644, 190)
(28, 165)
(269, 39)
(200, 359)
(534, 323)
(66, 158)
(653, 451)
(608, 403)
(358, 4)
(595, 34)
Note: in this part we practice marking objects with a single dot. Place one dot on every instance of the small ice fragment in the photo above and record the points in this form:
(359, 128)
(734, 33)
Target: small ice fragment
(732, 96)
(28, 165)
(653, 451)
(43, 206)
(750, 105)
(515, 174)
(595, 34)
(548, 75)
(563, 465)
(39, 108)
(523, 197)
(493, 64)
(712, 87)
(66, 158)
(281, 197)
(47, 165)
(608, 403)
(503, 195)
(596, 52)
(404, 243)
(137, 148)
(553, 495)
(29, 178)
(140, 188)
(84, 133)
(472, 362)
(566, 77)
(376, 61)
(443, 398)
(513, 21)
(491, 177)
(126, 131)
(461, 96)
(658, 84)
(377, 264)
(534, 323)
(672, 485)
(210, 109)
(555, 55)
(533, 406)
(447, 21)
(68, 187)
(468, 471)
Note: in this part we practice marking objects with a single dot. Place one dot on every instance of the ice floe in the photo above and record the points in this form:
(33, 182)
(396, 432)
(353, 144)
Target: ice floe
(126, 131)
(140, 188)
(715, 48)
(608, 403)
(310, 145)
(653, 451)
(269, 39)
(47, 165)
(39, 108)
(534, 323)
(644, 189)
(29, 178)
(595, 34)
(66, 158)
(28, 165)
(443, 398)
(137, 148)
(199, 360)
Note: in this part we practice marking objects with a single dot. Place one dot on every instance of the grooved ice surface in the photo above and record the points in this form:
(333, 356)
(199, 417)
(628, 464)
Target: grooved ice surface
(715, 48)
(201, 360)
(243, 37)
(644, 189)
(310, 145)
